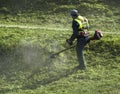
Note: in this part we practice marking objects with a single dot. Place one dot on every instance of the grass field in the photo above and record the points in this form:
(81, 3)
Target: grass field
(26, 66)
(31, 32)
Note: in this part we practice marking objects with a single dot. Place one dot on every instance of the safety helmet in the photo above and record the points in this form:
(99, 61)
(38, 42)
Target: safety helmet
(74, 12)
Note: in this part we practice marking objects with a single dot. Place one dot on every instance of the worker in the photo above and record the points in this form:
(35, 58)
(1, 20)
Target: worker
(79, 24)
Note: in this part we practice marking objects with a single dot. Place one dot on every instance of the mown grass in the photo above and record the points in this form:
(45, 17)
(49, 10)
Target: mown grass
(25, 63)
(26, 66)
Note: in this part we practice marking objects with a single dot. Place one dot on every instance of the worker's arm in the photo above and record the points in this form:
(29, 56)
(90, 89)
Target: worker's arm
(85, 20)
(82, 19)
(75, 34)
(85, 23)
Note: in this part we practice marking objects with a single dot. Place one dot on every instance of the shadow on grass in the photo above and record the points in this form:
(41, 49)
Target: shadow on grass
(52, 78)
(36, 83)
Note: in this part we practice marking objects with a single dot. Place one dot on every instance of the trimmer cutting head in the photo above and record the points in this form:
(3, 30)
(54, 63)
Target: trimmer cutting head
(52, 56)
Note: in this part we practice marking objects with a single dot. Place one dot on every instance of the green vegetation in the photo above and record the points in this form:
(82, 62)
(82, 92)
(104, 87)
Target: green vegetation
(56, 13)
(25, 63)
(26, 66)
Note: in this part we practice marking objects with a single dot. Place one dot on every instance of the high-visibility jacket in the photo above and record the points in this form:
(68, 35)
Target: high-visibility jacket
(77, 25)
(83, 22)
(79, 22)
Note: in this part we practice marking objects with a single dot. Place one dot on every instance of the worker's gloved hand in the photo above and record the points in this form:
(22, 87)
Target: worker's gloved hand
(68, 43)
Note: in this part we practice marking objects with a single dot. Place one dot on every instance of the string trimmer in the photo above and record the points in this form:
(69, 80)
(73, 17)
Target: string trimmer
(57, 53)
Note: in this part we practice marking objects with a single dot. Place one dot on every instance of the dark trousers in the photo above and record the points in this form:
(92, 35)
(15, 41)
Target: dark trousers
(81, 42)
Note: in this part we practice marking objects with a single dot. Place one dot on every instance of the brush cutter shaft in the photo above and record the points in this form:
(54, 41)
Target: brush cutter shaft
(64, 50)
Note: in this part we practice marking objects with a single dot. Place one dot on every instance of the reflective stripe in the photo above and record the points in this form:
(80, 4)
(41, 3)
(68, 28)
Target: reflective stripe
(79, 22)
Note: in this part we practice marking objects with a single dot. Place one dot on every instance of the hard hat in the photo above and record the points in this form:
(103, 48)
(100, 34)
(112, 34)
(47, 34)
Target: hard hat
(74, 12)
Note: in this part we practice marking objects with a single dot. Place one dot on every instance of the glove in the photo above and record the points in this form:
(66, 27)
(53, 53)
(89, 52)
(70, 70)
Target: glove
(68, 43)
